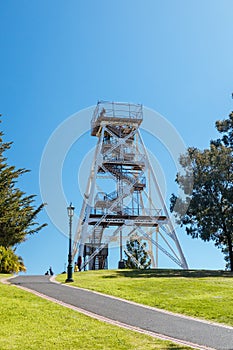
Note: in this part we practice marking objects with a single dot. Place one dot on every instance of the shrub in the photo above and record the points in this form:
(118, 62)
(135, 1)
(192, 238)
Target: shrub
(10, 262)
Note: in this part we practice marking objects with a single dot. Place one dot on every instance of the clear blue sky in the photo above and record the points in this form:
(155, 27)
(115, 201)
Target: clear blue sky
(58, 57)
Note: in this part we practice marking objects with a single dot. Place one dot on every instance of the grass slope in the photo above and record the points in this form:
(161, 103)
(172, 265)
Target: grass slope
(29, 322)
(203, 294)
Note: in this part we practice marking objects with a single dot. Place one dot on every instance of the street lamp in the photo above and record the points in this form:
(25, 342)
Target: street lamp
(70, 211)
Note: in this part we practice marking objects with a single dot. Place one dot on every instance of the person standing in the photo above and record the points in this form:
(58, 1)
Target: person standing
(79, 262)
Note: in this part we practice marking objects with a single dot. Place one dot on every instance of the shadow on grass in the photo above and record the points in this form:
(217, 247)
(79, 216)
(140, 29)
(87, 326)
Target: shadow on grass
(173, 347)
(171, 273)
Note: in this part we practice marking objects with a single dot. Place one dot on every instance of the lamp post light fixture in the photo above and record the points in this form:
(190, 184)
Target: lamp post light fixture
(70, 211)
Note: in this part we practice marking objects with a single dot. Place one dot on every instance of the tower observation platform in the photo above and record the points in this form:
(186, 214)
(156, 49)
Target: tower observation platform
(122, 195)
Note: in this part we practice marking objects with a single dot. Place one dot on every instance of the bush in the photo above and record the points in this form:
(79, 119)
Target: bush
(10, 262)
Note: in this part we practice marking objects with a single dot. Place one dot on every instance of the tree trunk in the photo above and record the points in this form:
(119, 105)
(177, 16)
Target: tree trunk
(229, 240)
(229, 243)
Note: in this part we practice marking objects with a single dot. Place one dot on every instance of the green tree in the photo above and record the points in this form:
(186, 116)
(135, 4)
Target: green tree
(225, 127)
(210, 205)
(137, 256)
(10, 262)
(17, 210)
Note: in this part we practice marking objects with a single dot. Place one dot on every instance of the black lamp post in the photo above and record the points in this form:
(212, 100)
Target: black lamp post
(70, 211)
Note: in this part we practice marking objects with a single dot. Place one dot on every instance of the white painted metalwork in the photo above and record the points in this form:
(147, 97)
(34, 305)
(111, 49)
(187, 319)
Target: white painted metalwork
(122, 190)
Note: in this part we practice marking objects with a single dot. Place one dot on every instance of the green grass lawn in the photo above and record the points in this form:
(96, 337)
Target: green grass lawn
(203, 294)
(30, 322)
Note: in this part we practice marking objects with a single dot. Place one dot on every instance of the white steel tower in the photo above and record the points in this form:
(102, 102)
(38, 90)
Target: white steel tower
(122, 198)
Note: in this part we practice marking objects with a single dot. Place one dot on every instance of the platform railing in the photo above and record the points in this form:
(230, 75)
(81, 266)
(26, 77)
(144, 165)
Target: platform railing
(127, 211)
(117, 110)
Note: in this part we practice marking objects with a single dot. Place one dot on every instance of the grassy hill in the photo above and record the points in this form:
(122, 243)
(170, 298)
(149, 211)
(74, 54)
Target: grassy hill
(198, 293)
(30, 322)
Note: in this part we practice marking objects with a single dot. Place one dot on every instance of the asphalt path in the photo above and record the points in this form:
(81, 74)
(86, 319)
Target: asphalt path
(204, 334)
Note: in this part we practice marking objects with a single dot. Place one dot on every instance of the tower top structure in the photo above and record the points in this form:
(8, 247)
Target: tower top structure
(117, 113)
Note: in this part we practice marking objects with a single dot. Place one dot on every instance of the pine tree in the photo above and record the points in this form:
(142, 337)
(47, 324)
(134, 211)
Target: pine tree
(137, 256)
(17, 210)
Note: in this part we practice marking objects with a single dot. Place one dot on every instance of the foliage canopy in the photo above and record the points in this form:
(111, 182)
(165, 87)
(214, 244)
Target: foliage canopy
(137, 256)
(10, 262)
(17, 210)
(210, 211)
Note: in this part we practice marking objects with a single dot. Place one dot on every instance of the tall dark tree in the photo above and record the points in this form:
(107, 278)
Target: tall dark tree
(137, 256)
(210, 210)
(17, 210)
